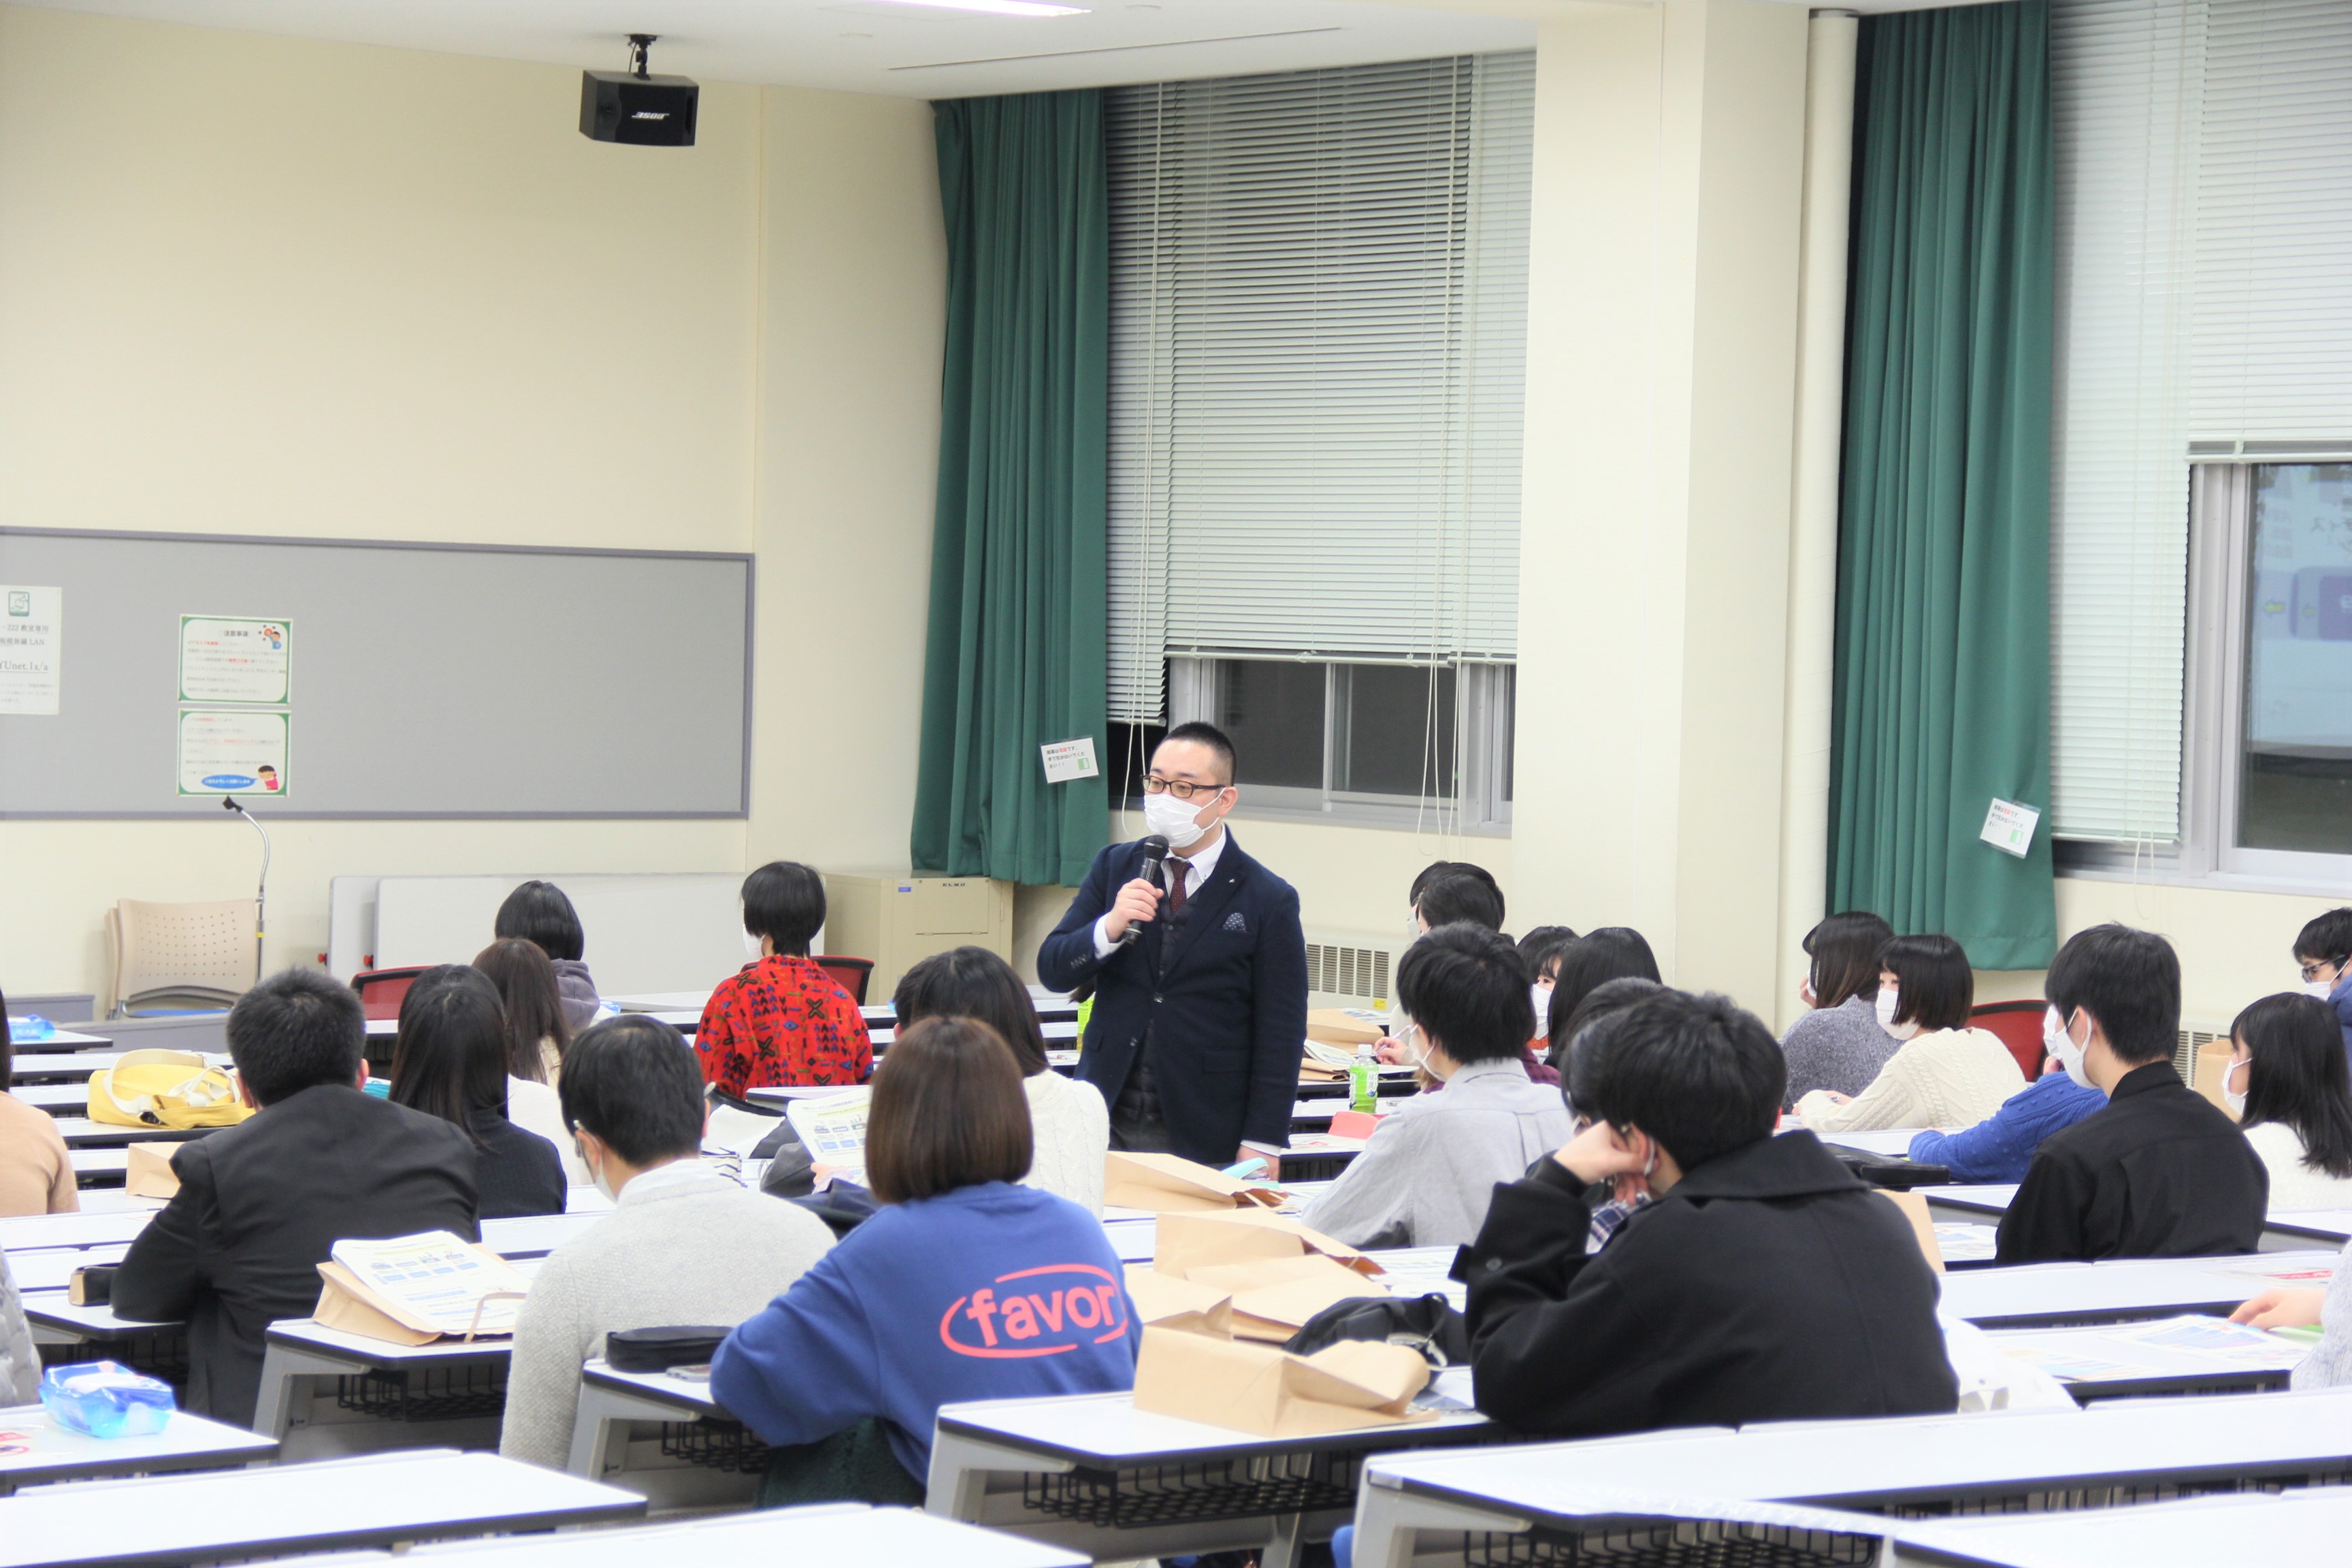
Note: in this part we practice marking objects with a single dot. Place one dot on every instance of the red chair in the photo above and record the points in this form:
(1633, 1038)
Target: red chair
(850, 974)
(381, 990)
(2017, 1025)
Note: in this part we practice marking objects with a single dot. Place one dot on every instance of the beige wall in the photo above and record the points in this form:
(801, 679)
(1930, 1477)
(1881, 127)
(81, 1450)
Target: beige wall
(266, 286)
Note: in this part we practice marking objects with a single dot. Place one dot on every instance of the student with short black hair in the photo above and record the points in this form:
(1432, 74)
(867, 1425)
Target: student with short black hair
(782, 1020)
(1592, 960)
(964, 1286)
(537, 1033)
(261, 1204)
(1945, 1072)
(540, 913)
(1838, 1044)
(1454, 897)
(1425, 1176)
(2323, 952)
(686, 1244)
(1436, 869)
(2161, 1171)
(2288, 1083)
(1069, 1122)
(449, 1060)
(1762, 1282)
(1455, 892)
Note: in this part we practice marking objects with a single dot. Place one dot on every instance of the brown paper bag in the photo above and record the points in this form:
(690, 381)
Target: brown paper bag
(1255, 1388)
(1166, 1184)
(1923, 1224)
(149, 1174)
(1162, 1300)
(347, 1303)
(1188, 1241)
(1344, 1026)
(1273, 1299)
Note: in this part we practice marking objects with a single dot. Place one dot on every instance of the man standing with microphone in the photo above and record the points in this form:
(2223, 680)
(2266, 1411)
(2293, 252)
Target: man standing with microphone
(1199, 971)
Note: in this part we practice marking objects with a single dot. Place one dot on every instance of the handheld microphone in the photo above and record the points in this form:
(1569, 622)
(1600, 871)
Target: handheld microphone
(1155, 856)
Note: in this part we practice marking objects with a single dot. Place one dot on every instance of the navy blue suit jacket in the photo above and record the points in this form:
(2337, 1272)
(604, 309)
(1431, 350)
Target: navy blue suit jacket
(1224, 1001)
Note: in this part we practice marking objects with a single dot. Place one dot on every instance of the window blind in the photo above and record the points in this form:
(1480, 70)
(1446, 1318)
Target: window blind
(2204, 189)
(1319, 324)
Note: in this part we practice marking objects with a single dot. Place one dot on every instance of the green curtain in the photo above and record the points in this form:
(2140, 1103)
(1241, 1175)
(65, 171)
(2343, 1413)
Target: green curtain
(1943, 618)
(1016, 650)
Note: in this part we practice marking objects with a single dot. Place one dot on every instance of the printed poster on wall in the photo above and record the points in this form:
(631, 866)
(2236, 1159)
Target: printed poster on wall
(32, 648)
(235, 658)
(234, 750)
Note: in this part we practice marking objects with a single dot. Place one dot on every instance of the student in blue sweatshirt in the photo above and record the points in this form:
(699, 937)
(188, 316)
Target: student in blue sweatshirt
(2001, 1147)
(963, 1286)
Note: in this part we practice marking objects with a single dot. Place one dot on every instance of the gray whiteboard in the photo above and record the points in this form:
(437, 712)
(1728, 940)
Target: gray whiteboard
(428, 681)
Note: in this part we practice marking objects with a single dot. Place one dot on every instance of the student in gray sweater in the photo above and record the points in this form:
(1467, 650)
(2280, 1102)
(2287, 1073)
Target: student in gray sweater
(685, 1244)
(1839, 1045)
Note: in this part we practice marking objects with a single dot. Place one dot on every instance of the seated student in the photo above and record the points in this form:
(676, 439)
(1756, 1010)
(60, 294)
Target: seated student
(1762, 1282)
(1453, 896)
(261, 1204)
(2160, 1171)
(1426, 1177)
(449, 1060)
(2329, 1366)
(2323, 951)
(537, 1033)
(783, 1020)
(1539, 950)
(1944, 1073)
(1069, 1122)
(1838, 1045)
(935, 1297)
(20, 1363)
(36, 1174)
(2288, 1083)
(685, 1244)
(2000, 1148)
(540, 912)
(1594, 958)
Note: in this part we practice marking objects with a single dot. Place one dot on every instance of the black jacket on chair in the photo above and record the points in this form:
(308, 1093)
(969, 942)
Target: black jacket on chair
(2160, 1172)
(1222, 1001)
(259, 1206)
(1768, 1284)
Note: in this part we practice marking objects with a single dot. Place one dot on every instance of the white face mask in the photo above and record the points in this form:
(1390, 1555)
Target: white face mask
(752, 941)
(1887, 1003)
(1540, 994)
(1172, 819)
(2060, 1044)
(595, 1170)
(2323, 989)
(2237, 1101)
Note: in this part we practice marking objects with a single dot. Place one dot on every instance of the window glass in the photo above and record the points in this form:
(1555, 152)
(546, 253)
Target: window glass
(1273, 710)
(1398, 736)
(2295, 787)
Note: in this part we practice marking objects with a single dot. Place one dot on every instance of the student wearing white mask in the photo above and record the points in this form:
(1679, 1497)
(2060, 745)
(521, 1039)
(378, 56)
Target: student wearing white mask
(2289, 1085)
(2323, 952)
(1945, 1073)
(2162, 1172)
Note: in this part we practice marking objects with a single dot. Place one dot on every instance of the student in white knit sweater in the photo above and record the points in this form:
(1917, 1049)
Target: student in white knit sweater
(1946, 1074)
(685, 1244)
(1071, 1124)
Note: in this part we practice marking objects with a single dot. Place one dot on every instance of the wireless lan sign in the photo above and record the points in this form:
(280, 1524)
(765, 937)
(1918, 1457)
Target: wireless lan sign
(634, 107)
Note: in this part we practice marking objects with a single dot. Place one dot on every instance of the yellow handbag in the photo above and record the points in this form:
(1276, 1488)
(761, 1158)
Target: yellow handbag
(165, 1089)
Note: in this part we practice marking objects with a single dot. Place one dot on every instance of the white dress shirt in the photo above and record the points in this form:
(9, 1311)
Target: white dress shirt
(1196, 868)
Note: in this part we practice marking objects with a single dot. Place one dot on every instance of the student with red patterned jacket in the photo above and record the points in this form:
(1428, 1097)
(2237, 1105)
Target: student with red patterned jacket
(962, 1285)
(782, 1020)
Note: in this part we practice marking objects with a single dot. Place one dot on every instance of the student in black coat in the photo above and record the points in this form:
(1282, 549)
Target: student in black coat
(262, 1204)
(2162, 1172)
(450, 1061)
(1762, 1282)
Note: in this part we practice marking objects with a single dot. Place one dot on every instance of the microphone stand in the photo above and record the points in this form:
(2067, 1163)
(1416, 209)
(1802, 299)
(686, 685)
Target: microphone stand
(261, 892)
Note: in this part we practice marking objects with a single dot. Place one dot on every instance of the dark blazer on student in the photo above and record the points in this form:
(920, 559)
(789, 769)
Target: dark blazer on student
(1768, 1284)
(259, 1206)
(1222, 1001)
(2160, 1172)
(516, 1171)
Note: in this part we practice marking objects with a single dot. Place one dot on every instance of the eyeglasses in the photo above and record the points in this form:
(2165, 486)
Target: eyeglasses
(1154, 784)
(2310, 971)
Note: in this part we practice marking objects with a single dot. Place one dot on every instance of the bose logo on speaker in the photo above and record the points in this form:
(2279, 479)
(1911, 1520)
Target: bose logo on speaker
(649, 114)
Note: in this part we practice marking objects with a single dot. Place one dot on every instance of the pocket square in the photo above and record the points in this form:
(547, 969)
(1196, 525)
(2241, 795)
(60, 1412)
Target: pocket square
(1234, 921)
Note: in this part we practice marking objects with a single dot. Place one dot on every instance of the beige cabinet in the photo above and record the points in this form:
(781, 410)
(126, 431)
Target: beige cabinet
(897, 919)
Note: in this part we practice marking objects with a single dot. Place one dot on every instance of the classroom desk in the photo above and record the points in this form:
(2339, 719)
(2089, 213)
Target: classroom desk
(2150, 1371)
(1968, 1203)
(35, 1451)
(665, 1436)
(24, 1232)
(100, 1168)
(52, 1268)
(82, 1132)
(1415, 1509)
(57, 1098)
(75, 1067)
(1060, 1032)
(2053, 1295)
(2295, 1230)
(282, 1509)
(325, 1392)
(1092, 1473)
(66, 1040)
(2294, 1527)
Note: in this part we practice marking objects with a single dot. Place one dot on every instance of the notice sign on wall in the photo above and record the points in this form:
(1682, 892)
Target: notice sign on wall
(32, 648)
(233, 751)
(1067, 759)
(234, 658)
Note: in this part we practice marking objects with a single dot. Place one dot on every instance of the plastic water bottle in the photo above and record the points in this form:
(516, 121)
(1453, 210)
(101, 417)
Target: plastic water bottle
(1364, 1080)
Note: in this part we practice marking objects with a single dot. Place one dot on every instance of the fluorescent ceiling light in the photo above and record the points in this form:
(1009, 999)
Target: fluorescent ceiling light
(995, 7)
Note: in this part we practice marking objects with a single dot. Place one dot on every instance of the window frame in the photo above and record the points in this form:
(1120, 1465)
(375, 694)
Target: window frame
(1485, 694)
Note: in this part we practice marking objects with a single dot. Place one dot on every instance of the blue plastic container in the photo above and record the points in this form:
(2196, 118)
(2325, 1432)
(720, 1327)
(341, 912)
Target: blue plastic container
(31, 1027)
(106, 1400)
